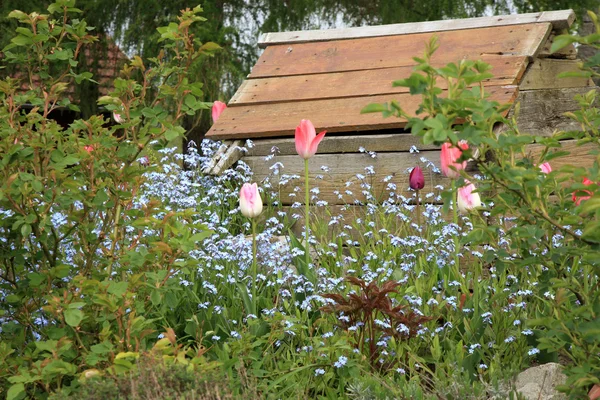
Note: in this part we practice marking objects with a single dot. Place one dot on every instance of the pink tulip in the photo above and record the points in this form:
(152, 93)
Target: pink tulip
(546, 168)
(594, 393)
(250, 202)
(416, 180)
(449, 156)
(217, 109)
(307, 139)
(467, 200)
(578, 200)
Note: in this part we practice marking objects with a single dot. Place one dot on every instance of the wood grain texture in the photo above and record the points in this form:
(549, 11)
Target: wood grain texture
(507, 70)
(543, 73)
(542, 111)
(388, 52)
(345, 171)
(333, 115)
(388, 142)
(348, 172)
(559, 19)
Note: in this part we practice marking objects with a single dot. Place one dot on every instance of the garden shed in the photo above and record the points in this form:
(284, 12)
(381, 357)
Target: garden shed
(328, 76)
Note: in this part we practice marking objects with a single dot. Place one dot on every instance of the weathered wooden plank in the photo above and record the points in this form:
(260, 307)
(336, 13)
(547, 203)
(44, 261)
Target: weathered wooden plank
(334, 115)
(386, 52)
(559, 19)
(507, 70)
(349, 171)
(542, 74)
(542, 111)
(346, 172)
(388, 142)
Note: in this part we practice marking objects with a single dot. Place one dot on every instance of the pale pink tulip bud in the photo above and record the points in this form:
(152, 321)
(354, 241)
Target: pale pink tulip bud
(307, 140)
(416, 180)
(448, 158)
(118, 118)
(467, 200)
(250, 202)
(217, 109)
(546, 168)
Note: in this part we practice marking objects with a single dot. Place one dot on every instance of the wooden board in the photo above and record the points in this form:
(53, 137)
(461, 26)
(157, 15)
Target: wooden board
(344, 168)
(388, 142)
(543, 74)
(542, 111)
(335, 115)
(388, 52)
(559, 19)
(507, 70)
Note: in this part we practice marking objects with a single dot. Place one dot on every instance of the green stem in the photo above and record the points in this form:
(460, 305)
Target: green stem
(254, 266)
(418, 211)
(115, 238)
(455, 220)
(307, 213)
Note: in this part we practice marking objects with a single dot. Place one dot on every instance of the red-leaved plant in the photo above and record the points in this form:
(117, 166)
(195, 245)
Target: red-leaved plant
(372, 316)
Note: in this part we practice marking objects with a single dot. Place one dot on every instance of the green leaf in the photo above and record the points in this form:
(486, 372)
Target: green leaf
(117, 288)
(26, 230)
(374, 107)
(16, 392)
(36, 279)
(198, 237)
(20, 15)
(209, 46)
(155, 298)
(22, 40)
(561, 41)
(73, 317)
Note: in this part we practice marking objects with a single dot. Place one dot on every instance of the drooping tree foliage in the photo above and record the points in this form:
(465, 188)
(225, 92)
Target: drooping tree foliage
(236, 25)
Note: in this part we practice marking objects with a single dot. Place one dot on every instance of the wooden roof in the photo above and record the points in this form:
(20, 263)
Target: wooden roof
(329, 76)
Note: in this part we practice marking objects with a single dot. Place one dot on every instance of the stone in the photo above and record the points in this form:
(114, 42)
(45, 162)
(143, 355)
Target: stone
(539, 383)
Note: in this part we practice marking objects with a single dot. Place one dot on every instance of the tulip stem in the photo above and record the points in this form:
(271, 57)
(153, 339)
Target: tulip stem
(455, 220)
(307, 213)
(254, 265)
(418, 212)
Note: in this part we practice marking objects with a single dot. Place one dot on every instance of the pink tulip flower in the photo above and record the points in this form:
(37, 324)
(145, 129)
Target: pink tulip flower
(467, 200)
(217, 109)
(307, 139)
(579, 199)
(546, 168)
(250, 202)
(448, 157)
(416, 180)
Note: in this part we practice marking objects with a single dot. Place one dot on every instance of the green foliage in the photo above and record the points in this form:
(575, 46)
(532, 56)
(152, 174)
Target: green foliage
(554, 228)
(85, 270)
(167, 371)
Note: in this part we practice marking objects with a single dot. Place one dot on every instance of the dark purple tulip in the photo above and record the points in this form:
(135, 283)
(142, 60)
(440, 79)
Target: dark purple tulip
(416, 179)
